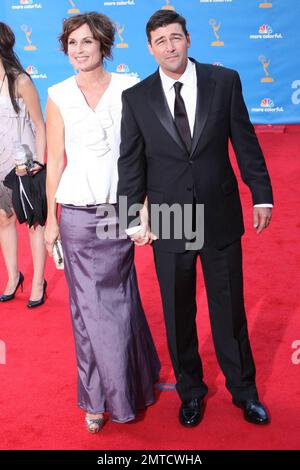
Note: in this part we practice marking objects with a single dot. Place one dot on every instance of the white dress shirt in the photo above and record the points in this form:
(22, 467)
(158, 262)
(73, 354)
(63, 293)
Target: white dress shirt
(188, 91)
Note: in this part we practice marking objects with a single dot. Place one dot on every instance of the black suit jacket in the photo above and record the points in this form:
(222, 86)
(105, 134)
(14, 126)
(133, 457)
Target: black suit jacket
(154, 162)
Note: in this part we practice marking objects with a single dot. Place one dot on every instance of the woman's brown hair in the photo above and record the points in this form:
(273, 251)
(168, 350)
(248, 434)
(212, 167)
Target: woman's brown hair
(10, 61)
(100, 25)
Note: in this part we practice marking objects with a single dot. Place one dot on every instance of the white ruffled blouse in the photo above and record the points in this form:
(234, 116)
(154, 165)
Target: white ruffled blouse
(92, 140)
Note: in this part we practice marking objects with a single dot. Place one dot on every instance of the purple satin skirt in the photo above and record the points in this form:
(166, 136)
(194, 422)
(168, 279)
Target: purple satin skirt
(116, 358)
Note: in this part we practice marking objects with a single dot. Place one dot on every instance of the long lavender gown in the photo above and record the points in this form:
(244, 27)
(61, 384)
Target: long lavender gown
(116, 357)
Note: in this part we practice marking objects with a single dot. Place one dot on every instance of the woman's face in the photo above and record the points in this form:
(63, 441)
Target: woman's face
(83, 50)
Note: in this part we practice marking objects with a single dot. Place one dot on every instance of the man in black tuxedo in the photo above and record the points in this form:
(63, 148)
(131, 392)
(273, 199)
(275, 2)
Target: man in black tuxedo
(176, 125)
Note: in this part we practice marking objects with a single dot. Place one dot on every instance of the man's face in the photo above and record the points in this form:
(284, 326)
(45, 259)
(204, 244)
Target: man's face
(169, 45)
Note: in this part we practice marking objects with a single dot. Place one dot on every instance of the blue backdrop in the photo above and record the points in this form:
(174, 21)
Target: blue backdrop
(260, 39)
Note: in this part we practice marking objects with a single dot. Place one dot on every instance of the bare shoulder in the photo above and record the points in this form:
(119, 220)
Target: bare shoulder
(23, 83)
(23, 79)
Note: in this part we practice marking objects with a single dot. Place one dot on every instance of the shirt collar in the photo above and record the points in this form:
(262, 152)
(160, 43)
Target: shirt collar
(188, 77)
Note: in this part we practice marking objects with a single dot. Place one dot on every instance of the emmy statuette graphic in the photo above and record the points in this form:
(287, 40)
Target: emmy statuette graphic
(265, 5)
(216, 28)
(27, 31)
(121, 44)
(168, 6)
(73, 9)
(265, 64)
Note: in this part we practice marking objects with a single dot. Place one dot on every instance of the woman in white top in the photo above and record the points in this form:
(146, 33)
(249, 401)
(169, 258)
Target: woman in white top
(116, 359)
(19, 108)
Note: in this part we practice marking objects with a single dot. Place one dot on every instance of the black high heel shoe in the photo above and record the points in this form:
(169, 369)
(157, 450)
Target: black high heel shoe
(37, 303)
(7, 297)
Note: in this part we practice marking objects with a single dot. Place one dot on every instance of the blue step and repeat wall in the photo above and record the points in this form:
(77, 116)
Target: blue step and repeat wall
(260, 39)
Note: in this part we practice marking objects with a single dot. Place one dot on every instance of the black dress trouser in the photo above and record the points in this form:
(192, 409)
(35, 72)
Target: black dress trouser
(223, 276)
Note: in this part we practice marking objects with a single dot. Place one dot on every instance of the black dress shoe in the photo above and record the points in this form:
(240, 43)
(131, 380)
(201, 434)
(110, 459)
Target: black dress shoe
(37, 303)
(7, 297)
(191, 413)
(254, 411)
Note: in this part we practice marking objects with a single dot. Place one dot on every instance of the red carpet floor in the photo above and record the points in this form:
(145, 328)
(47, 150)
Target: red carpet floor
(38, 381)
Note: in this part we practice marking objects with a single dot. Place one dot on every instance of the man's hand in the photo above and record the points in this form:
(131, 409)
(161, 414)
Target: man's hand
(143, 236)
(261, 218)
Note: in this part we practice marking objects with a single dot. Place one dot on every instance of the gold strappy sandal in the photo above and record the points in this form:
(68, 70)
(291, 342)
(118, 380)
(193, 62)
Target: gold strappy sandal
(94, 425)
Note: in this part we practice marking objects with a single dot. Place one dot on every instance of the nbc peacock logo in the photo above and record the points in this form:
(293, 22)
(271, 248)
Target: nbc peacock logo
(265, 29)
(267, 103)
(32, 70)
(123, 68)
(120, 3)
(34, 73)
(27, 5)
(267, 106)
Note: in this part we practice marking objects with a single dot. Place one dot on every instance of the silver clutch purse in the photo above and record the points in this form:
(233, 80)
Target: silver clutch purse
(58, 255)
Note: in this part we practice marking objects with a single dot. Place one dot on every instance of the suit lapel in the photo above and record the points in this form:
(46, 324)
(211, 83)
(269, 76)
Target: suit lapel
(158, 102)
(160, 106)
(206, 86)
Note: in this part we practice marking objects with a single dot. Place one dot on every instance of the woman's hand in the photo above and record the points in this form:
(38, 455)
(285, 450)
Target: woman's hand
(36, 168)
(144, 235)
(33, 170)
(51, 235)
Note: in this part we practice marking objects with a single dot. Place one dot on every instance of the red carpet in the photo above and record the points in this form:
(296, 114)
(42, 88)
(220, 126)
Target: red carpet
(38, 381)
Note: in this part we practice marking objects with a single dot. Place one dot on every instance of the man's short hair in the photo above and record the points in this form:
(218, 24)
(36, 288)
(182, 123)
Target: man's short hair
(164, 18)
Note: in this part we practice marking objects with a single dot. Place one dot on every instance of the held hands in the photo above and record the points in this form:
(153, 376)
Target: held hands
(144, 235)
(261, 218)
